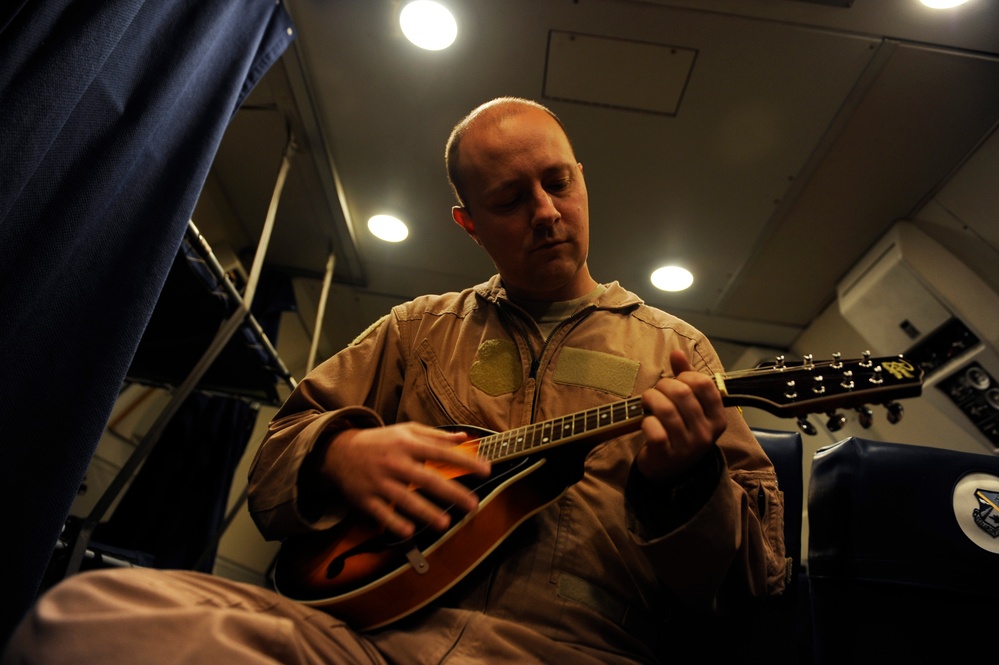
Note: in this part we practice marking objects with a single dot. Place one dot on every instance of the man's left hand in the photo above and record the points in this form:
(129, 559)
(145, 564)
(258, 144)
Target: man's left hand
(685, 418)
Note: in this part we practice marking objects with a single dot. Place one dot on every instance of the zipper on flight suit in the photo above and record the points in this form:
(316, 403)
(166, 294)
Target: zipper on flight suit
(536, 357)
(558, 326)
(515, 322)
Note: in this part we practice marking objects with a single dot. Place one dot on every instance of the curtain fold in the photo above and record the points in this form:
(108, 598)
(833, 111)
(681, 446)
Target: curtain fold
(110, 116)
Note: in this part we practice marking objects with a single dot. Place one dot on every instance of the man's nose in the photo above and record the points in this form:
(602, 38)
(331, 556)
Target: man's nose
(545, 212)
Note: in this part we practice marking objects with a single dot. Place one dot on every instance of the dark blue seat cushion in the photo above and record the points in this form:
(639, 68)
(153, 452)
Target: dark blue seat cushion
(901, 557)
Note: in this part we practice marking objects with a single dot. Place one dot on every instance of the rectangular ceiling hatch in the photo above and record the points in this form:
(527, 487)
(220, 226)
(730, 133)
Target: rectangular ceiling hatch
(619, 73)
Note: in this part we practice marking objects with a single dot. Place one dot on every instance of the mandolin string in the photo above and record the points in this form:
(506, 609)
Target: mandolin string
(865, 363)
(786, 369)
(533, 436)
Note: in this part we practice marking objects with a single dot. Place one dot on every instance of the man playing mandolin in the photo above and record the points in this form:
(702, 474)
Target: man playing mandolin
(550, 538)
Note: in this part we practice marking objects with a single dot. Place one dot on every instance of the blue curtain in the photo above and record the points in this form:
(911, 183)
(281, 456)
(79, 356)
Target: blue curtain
(110, 116)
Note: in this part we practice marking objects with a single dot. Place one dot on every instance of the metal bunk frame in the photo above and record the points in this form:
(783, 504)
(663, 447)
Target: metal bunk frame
(239, 317)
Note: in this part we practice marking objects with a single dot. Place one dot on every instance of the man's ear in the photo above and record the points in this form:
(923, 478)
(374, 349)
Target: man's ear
(464, 220)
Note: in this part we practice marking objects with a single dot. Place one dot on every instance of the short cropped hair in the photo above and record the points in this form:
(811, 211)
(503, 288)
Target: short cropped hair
(496, 109)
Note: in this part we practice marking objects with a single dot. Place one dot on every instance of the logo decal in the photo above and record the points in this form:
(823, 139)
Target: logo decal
(987, 512)
(900, 369)
(976, 508)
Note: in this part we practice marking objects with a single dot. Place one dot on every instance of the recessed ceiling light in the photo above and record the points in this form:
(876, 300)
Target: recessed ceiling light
(672, 278)
(388, 228)
(943, 4)
(428, 24)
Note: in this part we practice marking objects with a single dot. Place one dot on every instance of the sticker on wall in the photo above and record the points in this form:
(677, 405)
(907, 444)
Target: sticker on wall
(976, 507)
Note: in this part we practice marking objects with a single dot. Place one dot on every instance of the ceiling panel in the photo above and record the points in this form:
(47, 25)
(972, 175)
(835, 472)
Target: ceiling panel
(804, 130)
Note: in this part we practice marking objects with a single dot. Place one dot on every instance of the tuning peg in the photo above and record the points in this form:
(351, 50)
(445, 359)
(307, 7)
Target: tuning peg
(805, 426)
(895, 412)
(847, 382)
(865, 416)
(790, 391)
(836, 421)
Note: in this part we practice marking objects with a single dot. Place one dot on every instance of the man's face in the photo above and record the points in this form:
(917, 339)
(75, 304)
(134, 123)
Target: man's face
(527, 204)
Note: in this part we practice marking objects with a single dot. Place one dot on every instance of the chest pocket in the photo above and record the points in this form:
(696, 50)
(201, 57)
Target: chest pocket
(440, 403)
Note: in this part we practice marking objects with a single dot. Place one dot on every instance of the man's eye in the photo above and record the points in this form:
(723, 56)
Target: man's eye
(507, 204)
(559, 185)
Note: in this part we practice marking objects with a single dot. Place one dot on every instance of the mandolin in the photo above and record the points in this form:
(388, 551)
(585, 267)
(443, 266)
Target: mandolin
(369, 578)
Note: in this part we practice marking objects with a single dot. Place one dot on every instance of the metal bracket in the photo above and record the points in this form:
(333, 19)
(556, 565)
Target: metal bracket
(417, 561)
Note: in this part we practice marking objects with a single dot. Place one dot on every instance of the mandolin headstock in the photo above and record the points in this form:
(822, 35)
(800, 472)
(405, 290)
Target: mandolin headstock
(797, 389)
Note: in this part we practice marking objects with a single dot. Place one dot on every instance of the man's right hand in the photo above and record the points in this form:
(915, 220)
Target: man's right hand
(376, 469)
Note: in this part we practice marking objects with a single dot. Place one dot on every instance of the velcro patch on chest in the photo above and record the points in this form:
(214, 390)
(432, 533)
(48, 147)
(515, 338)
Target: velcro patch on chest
(497, 369)
(595, 369)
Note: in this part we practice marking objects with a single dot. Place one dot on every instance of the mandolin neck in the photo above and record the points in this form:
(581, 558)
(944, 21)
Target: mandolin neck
(598, 422)
(785, 390)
